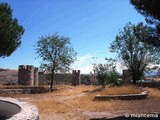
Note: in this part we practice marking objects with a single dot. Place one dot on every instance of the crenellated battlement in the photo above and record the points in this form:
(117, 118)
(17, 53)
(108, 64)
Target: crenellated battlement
(27, 75)
(75, 71)
(29, 67)
(22, 67)
(76, 77)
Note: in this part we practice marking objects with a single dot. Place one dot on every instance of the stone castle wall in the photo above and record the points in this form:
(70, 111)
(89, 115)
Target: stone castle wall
(36, 76)
(28, 75)
(72, 78)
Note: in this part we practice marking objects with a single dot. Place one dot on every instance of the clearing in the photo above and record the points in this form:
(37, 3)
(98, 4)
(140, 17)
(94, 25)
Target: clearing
(76, 103)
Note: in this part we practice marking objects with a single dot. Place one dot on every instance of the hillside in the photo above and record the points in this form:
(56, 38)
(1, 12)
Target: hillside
(8, 76)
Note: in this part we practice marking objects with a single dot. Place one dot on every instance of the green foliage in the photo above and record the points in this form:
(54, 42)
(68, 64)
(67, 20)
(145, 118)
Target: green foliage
(113, 78)
(135, 55)
(150, 9)
(106, 74)
(10, 31)
(56, 53)
(86, 79)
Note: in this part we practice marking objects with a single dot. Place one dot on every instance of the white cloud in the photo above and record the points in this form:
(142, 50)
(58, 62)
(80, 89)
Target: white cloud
(86, 69)
(84, 63)
(120, 67)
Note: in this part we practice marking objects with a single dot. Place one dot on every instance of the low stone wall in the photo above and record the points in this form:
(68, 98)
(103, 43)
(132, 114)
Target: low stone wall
(23, 90)
(15, 91)
(12, 109)
(139, 96)
(149, 84)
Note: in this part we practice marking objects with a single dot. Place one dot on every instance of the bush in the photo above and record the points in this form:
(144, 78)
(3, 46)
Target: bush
(86, 79)
(106, 74)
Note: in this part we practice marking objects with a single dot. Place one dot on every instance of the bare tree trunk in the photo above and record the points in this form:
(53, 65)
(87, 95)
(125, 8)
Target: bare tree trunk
(134, 80)
(52, 79)
(134, 77)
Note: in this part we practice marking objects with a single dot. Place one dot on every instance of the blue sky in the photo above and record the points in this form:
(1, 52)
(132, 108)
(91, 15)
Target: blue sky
(91, 25)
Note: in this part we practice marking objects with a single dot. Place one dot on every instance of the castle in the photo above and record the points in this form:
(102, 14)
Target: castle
(76, 77)
(28, 75)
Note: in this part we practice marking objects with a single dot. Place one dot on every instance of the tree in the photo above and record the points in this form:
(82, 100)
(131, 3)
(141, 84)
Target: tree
(57, 54)
(106, 73)
(133, 53)
(150, 9)
(10, 31)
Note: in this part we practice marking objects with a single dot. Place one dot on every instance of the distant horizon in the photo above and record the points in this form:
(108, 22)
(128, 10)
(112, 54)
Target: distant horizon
(151, 74)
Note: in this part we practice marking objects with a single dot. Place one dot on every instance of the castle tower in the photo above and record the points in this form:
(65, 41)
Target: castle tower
(36, 76)
(30, 75)
(27, 75)
(127, 76)
(79, 77)
(75, 77)
(21, 75)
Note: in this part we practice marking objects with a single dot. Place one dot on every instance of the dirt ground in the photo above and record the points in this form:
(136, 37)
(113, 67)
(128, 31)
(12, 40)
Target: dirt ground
(77, 103)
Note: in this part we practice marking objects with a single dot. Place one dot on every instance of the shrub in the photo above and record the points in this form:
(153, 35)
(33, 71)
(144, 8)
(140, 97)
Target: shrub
(86, 79)
(107, 74)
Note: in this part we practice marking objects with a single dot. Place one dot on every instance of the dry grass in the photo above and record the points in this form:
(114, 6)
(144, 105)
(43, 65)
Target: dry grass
(84, 102)
(121, 90)
(70, 102)
(50, 105)
(87, 102)
(66, 90)
(153, 91)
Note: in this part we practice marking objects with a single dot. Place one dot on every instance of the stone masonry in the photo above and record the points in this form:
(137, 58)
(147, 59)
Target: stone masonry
(76, 77)
(61, 78)
(28, 75)
(127, 76)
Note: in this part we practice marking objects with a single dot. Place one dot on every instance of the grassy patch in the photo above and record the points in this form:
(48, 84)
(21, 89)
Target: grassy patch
(122, 90)
(153, 91)
(50, 105)
(66, 90)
